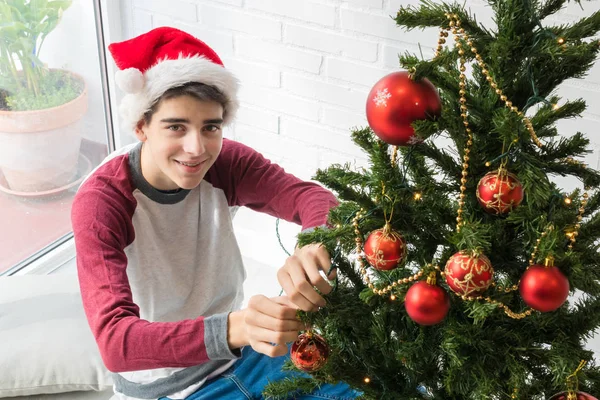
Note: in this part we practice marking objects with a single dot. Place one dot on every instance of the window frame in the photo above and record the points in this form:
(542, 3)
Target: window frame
(108, 23)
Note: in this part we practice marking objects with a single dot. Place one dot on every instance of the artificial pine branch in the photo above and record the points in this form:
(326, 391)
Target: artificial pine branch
(550, 7)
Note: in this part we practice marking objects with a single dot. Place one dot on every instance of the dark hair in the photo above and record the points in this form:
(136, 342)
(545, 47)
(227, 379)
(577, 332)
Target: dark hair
(197, 90)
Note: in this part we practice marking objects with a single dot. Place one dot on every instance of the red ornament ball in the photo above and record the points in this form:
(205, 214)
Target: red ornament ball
(309, 352)
(426, 304)
(469, 274)
(385, 248)
(395, 102)
(544, 288)
(499, 191)
(580, 396)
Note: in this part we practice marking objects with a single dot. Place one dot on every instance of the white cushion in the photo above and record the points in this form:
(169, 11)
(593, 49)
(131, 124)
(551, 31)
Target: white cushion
(46, 345)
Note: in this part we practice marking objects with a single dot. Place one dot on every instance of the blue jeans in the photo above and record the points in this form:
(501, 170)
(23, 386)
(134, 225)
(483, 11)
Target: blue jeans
(249, 375)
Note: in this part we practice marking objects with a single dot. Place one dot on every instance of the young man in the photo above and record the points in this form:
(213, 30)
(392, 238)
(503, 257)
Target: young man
(159, 267)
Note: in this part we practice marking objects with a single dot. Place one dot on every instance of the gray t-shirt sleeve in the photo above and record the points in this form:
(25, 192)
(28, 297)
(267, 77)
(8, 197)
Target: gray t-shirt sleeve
(215, 338)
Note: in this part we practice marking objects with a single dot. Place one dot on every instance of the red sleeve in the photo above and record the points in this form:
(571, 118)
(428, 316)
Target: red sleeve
(249, 179)
(101, 217)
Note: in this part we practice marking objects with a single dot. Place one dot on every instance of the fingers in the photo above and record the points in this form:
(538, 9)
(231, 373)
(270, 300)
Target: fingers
(272, 337)
(274, 308)
(288, 286)
(317, 257)
(312, 270)
(273, 323)
(305, 287)
(270, 350)
(285, 301)
(270, 324)
(325, 262)
(301, 274)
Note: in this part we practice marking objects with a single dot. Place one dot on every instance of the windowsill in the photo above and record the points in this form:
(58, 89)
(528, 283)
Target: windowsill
(61, 257)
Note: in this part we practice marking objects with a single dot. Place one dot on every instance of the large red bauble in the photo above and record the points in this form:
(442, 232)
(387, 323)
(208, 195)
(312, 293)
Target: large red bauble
(499, 191)
(469, 274)
(426, 304)
(309, 352)
(544, 288)
(385, 249)
(580, 396)
(395, 102)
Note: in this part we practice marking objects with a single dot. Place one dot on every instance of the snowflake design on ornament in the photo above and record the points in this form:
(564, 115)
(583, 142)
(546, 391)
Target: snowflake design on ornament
(382, 97)
(414, 139)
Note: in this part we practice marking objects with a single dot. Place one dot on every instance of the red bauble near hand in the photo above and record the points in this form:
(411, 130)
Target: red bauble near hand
(426, 304)
(468, 273)
(395, 102)
(499, 192)
(544, 287)
(309, 352)
(385, 248)
(579, 396)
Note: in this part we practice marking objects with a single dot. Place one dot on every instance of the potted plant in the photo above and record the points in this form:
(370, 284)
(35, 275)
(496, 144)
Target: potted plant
(40, 108)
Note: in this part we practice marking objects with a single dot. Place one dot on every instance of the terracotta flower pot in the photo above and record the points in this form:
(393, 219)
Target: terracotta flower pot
(39, 149)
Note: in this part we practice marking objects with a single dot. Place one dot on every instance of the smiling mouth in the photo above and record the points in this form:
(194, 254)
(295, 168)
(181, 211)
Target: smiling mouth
(189, 164)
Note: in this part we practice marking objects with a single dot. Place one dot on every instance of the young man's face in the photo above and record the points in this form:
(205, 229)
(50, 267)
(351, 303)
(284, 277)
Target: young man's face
(181, 142)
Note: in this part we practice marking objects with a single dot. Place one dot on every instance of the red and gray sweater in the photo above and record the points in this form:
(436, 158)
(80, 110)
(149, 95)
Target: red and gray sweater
(160, 272)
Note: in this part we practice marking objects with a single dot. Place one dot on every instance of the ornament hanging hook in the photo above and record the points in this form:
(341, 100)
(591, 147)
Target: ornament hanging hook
(573, 381)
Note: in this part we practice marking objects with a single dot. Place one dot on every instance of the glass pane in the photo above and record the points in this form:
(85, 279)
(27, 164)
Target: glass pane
(52, 123)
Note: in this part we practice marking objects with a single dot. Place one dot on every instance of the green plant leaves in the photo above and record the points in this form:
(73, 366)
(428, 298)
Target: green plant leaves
(24, 25)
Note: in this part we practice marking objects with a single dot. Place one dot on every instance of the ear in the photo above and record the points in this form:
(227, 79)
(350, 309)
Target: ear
(139, 131)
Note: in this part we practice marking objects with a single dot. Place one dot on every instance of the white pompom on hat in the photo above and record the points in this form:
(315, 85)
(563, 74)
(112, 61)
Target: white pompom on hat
(130, 80)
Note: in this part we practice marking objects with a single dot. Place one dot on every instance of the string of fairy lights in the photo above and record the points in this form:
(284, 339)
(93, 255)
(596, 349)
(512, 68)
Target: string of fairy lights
(465, 286)
(460, 36)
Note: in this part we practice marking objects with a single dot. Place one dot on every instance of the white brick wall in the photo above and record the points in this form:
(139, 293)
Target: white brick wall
(331, 43)
(310, 12)
(306, 67)
(239, 21)
(180, 10)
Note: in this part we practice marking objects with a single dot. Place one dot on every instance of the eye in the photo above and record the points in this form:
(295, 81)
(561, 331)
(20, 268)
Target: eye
(212, 128)
(175, 128)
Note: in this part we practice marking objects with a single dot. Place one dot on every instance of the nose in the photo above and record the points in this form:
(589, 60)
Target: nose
(194, 143)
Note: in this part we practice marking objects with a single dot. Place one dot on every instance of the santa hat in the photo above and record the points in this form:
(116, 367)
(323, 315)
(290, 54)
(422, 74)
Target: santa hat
(164, 58)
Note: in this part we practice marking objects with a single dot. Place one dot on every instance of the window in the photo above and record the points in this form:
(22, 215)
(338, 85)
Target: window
(53, 125)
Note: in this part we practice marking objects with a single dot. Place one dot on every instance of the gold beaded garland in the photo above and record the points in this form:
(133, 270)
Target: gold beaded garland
(455, 22)
(459, 33)
(500, 305)
(549, 228)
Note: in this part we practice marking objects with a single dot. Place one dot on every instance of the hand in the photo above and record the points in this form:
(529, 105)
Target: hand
(266, 325)
(300, 275)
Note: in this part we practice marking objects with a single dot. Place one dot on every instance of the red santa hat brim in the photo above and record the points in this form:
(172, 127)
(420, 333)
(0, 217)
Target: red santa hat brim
(167, 74)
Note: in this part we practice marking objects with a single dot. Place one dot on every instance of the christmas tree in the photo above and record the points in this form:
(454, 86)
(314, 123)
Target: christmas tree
(465, 271)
